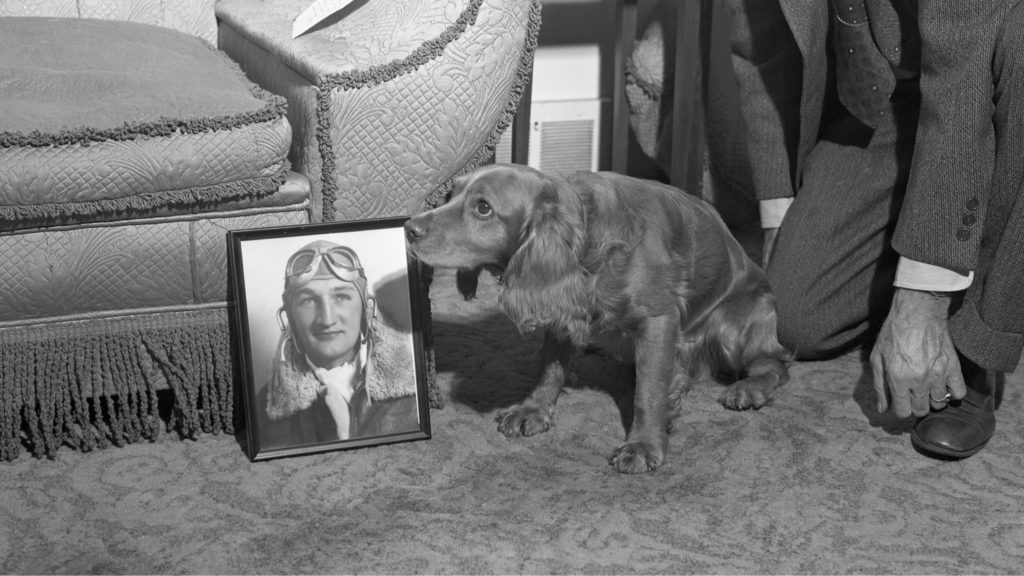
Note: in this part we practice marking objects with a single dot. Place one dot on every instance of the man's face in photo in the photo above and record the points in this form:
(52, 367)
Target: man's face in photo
(326, 317)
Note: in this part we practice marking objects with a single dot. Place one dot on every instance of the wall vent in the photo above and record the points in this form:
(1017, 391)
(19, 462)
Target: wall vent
(564, 136)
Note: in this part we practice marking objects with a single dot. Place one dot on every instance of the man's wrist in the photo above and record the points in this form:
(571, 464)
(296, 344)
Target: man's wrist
(936, 294)
(935, 301)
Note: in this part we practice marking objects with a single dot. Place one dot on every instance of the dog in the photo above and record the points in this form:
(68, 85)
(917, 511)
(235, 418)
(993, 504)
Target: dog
(602, 253)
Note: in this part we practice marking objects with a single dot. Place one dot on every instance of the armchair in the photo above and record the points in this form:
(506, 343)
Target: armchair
(126, 151)
(114, 320)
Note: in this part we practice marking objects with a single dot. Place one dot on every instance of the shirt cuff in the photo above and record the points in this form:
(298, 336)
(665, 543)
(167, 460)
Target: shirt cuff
(915, 275)
(773, 211)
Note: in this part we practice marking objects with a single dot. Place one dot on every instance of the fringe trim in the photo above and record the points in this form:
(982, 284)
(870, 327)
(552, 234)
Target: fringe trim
(90, 384)
(524, 73)
(424, 53)
(196, 199)
(372, 76)
(274, 107)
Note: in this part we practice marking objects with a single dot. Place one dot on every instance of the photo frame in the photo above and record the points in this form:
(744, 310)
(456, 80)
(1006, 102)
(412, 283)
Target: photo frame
(329, 337)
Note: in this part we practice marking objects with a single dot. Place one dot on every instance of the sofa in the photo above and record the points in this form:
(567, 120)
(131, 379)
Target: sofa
(119, 181)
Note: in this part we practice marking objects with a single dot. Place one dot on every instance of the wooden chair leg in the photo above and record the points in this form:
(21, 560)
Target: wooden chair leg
(626, 20)
(521, 126)
(687, 107)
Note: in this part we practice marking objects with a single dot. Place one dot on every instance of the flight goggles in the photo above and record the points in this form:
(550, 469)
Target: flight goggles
(340, 260)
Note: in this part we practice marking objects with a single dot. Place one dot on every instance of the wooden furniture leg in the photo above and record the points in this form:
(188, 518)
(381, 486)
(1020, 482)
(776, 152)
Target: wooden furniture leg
(625, 16)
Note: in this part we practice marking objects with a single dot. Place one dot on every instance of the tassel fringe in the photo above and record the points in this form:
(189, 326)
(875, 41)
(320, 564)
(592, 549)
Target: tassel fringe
(92, 383)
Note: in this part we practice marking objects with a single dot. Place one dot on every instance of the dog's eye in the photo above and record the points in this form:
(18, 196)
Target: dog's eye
(482, 208)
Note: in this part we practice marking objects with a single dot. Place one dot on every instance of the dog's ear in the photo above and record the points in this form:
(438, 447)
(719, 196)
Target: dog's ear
(466, 280)
(545, 283)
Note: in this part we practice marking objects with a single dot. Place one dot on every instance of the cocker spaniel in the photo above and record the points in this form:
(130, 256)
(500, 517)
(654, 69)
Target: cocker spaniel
(604, 253)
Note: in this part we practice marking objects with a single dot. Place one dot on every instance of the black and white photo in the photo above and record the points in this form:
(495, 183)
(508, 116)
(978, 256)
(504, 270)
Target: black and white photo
(329, 337)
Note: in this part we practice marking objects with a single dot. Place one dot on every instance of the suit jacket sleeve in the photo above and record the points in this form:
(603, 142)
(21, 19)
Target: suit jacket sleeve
(944, 208)
(767, 63)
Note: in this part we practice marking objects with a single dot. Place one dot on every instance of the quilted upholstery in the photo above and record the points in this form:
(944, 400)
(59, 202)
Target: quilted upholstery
(193, 17)
(441, 79)
(141, 263)
(102, 115)
(648, 89)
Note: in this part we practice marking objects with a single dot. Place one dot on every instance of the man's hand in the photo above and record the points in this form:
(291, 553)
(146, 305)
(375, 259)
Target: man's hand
(770, 234)
(914, 362)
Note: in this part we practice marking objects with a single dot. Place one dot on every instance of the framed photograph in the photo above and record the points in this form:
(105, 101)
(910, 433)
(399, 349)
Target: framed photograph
(329, 336)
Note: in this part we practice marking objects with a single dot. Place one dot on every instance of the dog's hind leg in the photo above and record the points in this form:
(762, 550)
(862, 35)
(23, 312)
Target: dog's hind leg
(757, 389)
(758, 358)
(535, 414)
(680, 387)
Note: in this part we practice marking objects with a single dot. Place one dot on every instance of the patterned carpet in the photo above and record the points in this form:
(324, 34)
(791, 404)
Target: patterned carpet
(816, 483)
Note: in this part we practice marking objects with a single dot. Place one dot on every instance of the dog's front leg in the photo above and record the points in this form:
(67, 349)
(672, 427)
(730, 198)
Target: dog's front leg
(534, 415)
(644, 449)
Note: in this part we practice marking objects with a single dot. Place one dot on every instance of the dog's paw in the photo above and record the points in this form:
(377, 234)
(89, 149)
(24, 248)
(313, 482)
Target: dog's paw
(636, 457)
(745, 395)
(524, 420)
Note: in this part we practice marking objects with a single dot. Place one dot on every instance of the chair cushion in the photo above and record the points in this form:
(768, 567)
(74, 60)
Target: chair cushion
(106, 119)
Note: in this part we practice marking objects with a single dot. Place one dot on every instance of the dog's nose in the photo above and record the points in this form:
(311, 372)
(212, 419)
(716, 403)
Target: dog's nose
(414, 230)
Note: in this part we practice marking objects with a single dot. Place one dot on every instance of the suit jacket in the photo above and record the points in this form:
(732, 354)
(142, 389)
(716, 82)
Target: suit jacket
(780, 51)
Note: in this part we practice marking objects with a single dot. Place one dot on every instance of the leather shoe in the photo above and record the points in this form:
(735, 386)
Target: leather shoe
(960, 430)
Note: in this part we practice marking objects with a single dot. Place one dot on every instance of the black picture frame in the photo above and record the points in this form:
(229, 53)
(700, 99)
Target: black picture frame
(289, 410)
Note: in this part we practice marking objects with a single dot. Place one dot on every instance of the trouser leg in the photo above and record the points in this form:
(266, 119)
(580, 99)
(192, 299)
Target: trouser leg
(989, 328)
(833, 266)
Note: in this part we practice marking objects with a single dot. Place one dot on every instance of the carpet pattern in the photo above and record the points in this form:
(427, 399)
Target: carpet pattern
(815, 483)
